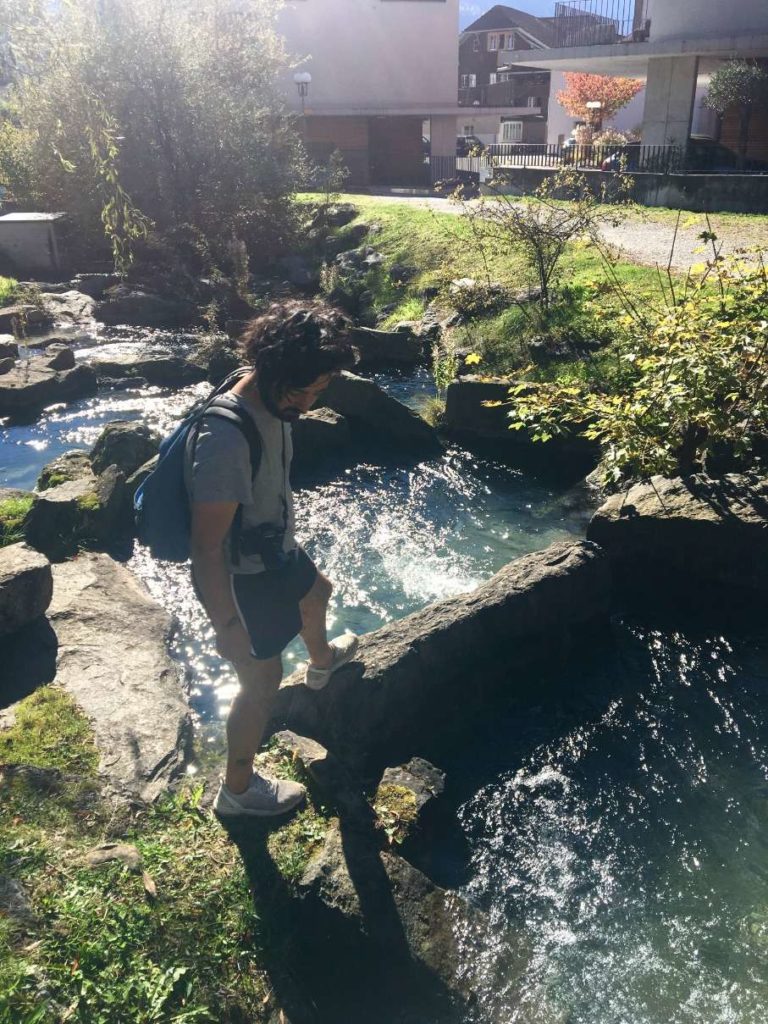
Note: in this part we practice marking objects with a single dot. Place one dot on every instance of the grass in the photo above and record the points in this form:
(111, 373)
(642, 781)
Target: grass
(8, 287)
(179, 940)
(13, 513)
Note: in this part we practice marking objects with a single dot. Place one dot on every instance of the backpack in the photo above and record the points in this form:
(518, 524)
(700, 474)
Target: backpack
(161, 504)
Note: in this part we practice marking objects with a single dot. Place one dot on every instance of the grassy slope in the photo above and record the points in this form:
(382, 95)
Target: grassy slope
(7, 289)
(98, 945)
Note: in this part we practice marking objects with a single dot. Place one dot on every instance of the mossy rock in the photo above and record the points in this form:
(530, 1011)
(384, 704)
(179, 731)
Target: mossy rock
(74, 465)
(84, 513)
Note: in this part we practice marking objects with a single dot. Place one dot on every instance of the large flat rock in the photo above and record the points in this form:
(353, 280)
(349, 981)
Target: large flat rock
(32, 385)
(687, 532)
(424, 677)
(112, 658)
(25, 586)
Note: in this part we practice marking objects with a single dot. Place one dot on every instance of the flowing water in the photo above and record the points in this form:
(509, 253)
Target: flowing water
(617, 825)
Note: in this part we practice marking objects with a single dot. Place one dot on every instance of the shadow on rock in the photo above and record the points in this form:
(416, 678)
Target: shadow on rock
(27, 660)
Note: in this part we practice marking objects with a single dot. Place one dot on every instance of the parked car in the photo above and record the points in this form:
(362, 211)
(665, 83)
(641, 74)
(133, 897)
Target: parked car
(468, 145)
(625, 157)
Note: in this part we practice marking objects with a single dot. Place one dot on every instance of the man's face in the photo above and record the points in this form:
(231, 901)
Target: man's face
(293, 403)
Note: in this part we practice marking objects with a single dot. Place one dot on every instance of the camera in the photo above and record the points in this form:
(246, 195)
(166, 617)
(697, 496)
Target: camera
(266, 540)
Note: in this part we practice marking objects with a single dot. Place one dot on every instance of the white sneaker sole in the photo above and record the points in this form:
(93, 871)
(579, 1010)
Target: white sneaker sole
(225, 807)
(318, 679)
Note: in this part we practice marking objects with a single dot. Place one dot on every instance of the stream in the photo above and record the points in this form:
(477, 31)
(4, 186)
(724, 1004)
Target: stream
(616, 821)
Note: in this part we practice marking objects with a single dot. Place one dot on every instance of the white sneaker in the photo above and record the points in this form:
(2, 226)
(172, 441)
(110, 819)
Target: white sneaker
(344, 649)
(264, 798)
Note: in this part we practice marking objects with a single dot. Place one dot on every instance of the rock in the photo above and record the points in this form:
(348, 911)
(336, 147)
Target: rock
(127, 445)
(32, 385)
(165, 371)
(317, 436)
(69, 308)
(14, 901)
(112, 659)
(60, 357)
(13, 317)
(42, 780)
(137, 478)
(9, 348)
(94, 285)
(337, 216)
(419, 777)
(234, 328)
(401, 274)
(6, 365)
(74, 465)
(386, 419)
(125, 853)
(468, 419)
(217, 357)
(330, 775)
(298, 271)
(84, 512)
(123, 305)
(429, 939)
(402, 689)
(359, 260)
(387, 348)
(688, 532)
(26, 586)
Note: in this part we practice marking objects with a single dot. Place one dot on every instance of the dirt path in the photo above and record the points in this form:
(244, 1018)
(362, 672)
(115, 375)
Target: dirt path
(648, 238)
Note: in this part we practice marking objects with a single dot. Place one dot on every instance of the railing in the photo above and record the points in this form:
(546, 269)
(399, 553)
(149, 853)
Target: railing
(600, 22)
(653, 159)
(499, 94)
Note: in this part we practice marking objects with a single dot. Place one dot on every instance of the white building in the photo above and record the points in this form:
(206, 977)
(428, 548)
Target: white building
(383, 83)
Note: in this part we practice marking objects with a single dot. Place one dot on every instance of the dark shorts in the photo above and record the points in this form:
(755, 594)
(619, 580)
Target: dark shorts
(268, 603)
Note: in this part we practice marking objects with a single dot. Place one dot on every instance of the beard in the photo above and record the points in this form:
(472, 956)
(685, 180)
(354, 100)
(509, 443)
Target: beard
(288, 415)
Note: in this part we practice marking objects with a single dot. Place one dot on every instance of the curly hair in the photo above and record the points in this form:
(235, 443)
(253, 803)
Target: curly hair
(294, 343)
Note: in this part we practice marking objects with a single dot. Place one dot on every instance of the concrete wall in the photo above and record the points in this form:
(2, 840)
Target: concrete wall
(680, 19)
(373, 55)
(701, 193)
(669, 97)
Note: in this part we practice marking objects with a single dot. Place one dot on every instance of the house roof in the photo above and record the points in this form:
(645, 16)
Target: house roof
(501, 16)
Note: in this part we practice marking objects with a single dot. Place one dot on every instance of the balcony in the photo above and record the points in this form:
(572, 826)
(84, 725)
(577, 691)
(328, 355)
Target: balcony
(500, 94)
(600, 22)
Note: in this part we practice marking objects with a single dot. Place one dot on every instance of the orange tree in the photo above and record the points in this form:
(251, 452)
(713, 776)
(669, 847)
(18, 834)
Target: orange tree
(612, 94)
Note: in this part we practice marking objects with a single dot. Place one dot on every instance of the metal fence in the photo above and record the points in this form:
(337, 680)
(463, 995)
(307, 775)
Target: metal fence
(600, 22)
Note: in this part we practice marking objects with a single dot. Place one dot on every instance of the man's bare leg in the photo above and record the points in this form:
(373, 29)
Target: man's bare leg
(314, 608)
(259, 683)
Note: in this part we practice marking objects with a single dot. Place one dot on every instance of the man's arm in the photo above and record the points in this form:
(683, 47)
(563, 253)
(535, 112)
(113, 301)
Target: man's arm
(210, 524)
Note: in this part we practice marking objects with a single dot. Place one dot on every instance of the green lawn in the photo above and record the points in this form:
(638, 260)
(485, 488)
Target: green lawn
(7, 289)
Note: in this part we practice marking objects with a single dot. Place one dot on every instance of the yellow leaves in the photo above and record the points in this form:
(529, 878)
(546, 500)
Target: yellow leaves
(491, 404)
(699, 268)
(473, 359)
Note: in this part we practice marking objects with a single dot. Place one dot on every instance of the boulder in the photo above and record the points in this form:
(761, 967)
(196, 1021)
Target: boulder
(12, 317)
(688, 532)
(9, 347)
(299, 271)
(318, 435)
(112, 659)
(217, 357)
(60, 357)
(466, 412)
(400, 273)
(127, 445)
(94, 285)
(338, 215)
(32, 385)
(80, 513)
(418, 778)
(69, 308)
(124, 305)
(6, 365)
(74, 465)
(164, 371)
(401, 692)
(426, 940)
(26, 586)
(384, 418)
(387, 348)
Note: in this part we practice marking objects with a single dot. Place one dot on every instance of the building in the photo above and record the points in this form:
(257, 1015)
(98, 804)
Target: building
(502, 100)
(674, 45)
(383, 83)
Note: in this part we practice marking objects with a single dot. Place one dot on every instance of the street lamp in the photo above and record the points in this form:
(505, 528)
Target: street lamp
(303, 80)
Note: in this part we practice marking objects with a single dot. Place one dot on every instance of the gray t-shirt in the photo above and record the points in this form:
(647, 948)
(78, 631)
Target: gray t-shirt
(222, 472)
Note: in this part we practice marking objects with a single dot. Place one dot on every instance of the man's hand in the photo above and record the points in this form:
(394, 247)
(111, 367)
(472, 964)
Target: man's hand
(233, 643)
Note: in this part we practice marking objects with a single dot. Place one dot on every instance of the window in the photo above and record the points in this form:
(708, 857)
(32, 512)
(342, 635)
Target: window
(493, 40)
(533, 101)
(493, 79)
(469, 129)
(476, 43)
(511, 131)
(468, 81)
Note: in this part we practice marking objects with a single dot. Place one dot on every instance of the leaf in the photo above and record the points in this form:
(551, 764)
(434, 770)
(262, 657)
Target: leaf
(149, 885)
(473, 359)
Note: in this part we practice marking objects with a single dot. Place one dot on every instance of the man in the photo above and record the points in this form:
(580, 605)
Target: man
(259, 589)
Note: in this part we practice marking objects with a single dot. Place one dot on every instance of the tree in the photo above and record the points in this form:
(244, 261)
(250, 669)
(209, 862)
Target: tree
(612, 94)
(131, 113)
(739, 85)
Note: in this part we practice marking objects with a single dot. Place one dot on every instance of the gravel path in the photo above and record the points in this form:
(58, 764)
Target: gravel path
(647, 238)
